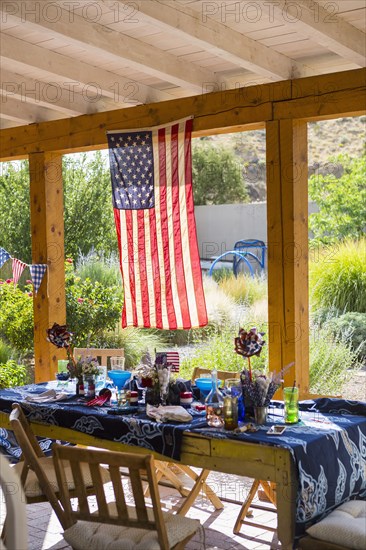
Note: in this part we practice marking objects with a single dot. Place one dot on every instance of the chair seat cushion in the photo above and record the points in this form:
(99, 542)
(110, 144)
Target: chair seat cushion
(345, 526)
(105, 536)
(32, 487)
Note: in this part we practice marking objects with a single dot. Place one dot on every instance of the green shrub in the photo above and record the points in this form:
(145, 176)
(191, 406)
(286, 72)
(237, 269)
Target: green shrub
(219, 352)
(351, 326)
(91, 308)
(12, 374)
(338, 279)
(243, 288)
(5, 352)
(105, 272)
(332, 362)
(134, 341)
(16, 317)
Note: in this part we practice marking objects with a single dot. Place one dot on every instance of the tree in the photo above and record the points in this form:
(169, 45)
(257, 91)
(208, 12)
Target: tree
(15, 234)
(341, 202)
(217, 175)
(89, 223)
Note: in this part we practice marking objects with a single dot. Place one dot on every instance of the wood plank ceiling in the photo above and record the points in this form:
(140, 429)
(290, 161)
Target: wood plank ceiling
(63, 58)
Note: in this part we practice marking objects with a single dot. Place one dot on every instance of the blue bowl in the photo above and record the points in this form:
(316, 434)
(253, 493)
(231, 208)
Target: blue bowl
(119, 377)
(205, 384)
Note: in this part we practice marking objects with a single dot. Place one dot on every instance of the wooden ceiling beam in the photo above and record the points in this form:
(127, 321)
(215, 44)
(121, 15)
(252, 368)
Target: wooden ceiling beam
(44, 94)
(332, 95)
(25, 113)
(57, 65)
(218, 39)
(324, 27)
(101, 39)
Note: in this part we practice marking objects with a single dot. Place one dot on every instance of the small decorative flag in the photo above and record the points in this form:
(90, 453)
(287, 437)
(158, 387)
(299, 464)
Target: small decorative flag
(37, 272)
(173, 360)
(18, 268)
(151, 173)
(4, 256)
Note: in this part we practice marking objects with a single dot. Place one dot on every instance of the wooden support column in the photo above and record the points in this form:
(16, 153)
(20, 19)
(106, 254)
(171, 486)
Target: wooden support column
(287, 218)
(47, 227)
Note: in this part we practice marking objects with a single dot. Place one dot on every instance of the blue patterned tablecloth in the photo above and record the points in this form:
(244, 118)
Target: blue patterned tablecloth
(328, 444)
(329, 449)
(137, 429)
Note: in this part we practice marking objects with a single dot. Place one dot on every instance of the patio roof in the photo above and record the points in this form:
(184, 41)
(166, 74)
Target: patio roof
(62, 58)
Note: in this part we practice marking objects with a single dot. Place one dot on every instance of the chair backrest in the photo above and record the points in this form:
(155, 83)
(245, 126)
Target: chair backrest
(221, 374)
(142, 517)
(102, 355)
(31, 453)
(15, 526)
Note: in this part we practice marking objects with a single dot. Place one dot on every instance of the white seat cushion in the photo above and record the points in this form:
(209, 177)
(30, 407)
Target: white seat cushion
(345, 526)
(105, 536)
(32, 487)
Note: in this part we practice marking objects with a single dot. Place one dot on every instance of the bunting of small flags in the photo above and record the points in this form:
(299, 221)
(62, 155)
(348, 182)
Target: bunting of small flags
(4, 256)
(37, 271)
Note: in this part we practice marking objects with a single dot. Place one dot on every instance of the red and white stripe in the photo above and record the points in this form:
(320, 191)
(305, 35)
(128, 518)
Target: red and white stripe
(158, 247)
(172, 358)
(18, 268)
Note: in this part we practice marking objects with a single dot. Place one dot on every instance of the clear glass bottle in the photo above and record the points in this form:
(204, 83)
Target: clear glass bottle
(214, 403)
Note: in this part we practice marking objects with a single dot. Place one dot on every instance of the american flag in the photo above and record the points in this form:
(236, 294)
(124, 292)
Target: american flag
(154, 215)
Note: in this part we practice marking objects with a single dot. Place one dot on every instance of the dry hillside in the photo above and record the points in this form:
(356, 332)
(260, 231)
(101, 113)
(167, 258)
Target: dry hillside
(327, 139)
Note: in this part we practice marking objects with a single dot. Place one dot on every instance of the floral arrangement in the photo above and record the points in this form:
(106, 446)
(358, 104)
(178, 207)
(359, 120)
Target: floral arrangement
(86, 365)
(146, 371)
(260, 387)
(60, 337)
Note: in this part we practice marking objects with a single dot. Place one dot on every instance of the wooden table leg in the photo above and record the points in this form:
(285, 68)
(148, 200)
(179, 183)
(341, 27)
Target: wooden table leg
(286, 500)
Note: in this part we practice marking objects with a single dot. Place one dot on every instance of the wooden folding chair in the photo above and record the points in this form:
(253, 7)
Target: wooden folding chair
(221, 374)
(121, 519)
(102, 355)
(269, 490)
(36, 471)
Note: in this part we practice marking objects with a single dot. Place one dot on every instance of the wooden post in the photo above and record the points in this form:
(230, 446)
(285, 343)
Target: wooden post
(287, 217)
(47, 227)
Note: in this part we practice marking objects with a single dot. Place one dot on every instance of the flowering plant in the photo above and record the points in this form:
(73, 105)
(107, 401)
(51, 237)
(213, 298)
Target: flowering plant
(260, 387)
(86, 365)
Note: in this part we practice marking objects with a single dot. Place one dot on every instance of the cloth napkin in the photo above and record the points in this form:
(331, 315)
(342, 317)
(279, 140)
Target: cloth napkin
(46, 397)
(170, 412)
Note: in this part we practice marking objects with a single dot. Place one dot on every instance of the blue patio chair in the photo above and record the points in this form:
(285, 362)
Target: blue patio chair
(244, 249)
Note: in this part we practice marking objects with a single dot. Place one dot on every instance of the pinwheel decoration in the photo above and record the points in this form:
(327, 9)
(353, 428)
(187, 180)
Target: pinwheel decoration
(248, 344)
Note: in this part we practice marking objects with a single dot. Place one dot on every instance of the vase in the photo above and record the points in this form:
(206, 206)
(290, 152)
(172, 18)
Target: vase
(260, 415)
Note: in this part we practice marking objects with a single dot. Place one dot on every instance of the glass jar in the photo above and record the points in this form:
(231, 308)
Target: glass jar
(214, 404)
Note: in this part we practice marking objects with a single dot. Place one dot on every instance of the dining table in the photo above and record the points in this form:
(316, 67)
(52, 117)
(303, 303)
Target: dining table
(316, 464)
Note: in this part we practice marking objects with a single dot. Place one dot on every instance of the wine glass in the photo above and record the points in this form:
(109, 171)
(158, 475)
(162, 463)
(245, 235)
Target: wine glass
(163, 377)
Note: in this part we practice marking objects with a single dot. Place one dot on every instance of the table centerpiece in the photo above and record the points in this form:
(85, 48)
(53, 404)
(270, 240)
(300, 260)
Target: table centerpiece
(83, 367)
